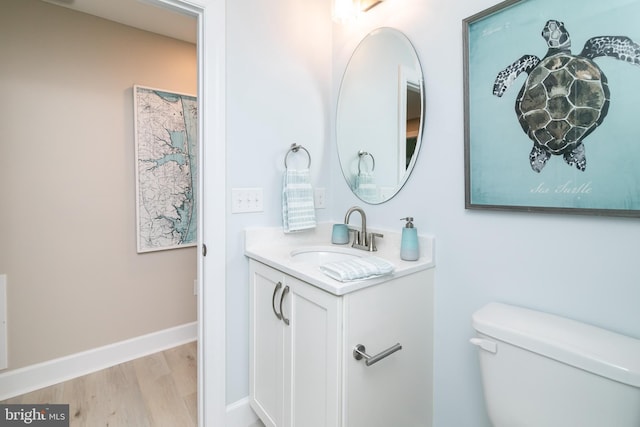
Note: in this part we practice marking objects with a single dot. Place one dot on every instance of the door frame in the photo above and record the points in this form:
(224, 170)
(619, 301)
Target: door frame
(211, 268)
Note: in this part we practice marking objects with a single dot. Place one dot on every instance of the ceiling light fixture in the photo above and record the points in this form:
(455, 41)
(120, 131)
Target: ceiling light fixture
(348, 10)
(366, 5)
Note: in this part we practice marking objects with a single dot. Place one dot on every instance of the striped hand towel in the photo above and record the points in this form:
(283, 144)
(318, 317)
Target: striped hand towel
(357, 268)
(365, 187)
(298, 211)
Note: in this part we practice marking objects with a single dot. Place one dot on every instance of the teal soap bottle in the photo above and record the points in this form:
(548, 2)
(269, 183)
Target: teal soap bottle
(409, 248)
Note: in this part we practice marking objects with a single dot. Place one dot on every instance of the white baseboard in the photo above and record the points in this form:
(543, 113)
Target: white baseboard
(24, 380)
(240, 414)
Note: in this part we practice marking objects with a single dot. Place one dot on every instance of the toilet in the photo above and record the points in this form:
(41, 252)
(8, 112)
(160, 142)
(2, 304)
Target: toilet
(542, 370)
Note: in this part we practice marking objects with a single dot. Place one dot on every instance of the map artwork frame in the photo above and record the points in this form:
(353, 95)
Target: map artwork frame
(166, 157)
(550, 107)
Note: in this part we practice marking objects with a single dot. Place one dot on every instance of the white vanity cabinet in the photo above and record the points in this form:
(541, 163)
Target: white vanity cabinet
(294, 360)
(303, 372)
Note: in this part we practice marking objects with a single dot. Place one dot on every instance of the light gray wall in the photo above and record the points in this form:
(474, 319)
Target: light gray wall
(278, 86)
(67, 183)
(283, 77)
(580, 267)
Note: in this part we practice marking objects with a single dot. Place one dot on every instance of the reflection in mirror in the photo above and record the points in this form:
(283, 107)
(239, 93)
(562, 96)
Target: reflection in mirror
(380, 115)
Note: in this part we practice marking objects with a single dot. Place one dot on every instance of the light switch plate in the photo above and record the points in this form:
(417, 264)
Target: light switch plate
(319, 196)
(245, 200)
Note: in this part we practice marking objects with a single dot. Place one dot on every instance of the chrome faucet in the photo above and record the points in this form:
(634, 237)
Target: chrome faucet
(362, 239)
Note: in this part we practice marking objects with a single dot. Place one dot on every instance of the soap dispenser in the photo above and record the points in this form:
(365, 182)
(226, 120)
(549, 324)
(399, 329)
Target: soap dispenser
(409, 249)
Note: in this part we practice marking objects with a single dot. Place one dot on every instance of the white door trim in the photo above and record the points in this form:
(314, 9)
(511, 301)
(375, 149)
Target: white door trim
(212, 188)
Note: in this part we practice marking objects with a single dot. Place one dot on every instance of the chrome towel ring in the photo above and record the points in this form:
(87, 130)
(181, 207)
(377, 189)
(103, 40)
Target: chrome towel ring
(295, 148)
(362, 154)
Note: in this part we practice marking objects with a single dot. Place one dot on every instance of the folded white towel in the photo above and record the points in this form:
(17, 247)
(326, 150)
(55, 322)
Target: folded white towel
(298, 211)
(357, 268)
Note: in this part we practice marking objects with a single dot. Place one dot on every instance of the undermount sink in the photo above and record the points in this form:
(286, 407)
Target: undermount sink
(323, 254)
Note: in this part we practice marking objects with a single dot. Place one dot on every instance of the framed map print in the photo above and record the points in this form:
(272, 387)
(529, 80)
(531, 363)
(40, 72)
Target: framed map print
(166, 144)
(551, 107)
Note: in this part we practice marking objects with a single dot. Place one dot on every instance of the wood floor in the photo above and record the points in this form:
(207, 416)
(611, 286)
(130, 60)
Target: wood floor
(156, 391)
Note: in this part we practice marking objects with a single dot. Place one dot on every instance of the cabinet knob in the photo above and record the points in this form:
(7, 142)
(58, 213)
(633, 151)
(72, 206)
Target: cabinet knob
(359, 352)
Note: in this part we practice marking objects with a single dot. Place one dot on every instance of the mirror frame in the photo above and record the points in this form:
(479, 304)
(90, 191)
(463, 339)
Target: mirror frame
(347, 165)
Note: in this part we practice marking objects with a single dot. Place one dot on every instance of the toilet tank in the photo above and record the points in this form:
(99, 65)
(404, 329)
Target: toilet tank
(542, 370)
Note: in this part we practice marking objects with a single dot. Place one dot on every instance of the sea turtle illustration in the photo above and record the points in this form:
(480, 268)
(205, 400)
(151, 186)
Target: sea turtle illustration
(565, 96)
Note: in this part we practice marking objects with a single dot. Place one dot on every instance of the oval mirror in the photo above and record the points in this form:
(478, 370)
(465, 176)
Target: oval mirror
(380, 115)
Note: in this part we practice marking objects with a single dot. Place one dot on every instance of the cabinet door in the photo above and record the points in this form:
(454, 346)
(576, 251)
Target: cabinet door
(266, 372)
(397, 390)
(312, 341)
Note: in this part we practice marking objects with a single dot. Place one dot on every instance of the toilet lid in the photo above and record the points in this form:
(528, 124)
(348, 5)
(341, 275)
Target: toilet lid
(587, 347)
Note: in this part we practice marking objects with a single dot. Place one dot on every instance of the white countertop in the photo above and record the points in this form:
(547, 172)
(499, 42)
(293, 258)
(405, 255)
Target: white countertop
(272, 246)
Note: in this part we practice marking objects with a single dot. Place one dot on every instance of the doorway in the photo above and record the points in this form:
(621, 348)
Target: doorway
(212, 181)
(38, 212)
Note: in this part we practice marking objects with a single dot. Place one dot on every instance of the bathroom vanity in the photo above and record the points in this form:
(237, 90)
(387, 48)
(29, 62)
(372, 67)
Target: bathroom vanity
(333, 354)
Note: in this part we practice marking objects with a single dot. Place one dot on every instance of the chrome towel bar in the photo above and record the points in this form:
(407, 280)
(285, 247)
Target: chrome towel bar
(359, 353)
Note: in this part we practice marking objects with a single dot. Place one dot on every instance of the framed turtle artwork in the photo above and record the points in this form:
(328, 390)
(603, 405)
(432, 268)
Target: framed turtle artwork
(552, 112)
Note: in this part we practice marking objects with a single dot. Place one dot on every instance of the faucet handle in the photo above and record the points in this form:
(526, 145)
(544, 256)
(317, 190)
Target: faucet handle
(356, 235)
(372, 241)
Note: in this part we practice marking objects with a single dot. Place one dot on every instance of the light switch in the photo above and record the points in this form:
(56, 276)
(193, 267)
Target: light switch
(245, 200)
